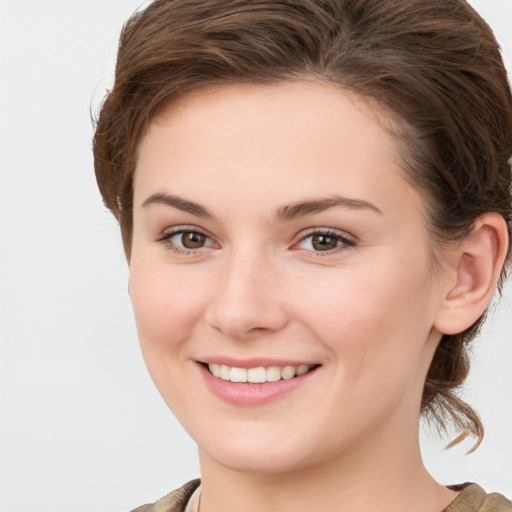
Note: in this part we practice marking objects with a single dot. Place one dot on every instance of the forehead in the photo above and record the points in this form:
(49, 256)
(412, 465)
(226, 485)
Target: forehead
(295, 103)
(282, 142)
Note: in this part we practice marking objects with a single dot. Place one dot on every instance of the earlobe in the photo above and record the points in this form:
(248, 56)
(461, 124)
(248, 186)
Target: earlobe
(476, 267)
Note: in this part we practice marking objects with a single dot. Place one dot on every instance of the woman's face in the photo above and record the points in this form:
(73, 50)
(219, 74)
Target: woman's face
(275, 235)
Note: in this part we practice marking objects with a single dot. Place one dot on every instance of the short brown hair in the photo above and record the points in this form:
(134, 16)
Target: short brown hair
(435, 65)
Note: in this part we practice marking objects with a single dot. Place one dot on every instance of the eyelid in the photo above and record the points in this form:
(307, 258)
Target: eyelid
(347, 239)
(167, 234)
(175, 230)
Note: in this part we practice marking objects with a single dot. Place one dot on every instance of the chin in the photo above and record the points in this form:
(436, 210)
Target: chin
(261, 462)
(265, 455)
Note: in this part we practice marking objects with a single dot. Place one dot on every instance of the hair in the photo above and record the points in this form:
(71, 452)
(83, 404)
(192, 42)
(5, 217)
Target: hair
(434, 65)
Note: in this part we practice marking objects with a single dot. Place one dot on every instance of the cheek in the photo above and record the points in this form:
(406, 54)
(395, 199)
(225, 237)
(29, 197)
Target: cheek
(372, 320)
(375, 326)
(365, 298)
(167, 304)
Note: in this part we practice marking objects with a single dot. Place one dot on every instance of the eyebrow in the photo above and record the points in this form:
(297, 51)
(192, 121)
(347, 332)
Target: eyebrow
(180, 204)
(284, 214)
(311, 207)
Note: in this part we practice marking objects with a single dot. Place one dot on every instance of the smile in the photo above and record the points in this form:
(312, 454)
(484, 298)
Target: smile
(257, 382)
(258, 375)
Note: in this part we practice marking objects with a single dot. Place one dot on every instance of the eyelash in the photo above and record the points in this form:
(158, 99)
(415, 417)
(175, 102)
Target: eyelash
(344, 241)
(166, 237)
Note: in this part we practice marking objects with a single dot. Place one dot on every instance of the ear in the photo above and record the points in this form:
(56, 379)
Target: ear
(474, 267)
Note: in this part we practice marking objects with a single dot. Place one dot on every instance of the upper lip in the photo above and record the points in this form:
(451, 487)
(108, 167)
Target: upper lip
(255, 362)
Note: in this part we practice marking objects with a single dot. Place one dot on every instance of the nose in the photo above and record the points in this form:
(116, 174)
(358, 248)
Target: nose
(248, 300)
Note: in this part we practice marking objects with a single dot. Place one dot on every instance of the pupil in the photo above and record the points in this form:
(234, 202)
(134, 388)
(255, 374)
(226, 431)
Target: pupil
(192, 240)
(324, 242)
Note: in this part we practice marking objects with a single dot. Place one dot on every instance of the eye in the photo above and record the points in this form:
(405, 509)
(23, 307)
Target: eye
(185, 241)
(191, 239)
(324, 241)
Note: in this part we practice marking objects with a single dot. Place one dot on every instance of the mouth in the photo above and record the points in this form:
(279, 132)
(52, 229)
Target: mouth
(256, 382)
(258, 375)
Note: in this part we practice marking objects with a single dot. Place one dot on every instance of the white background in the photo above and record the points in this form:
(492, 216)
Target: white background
(81, 425)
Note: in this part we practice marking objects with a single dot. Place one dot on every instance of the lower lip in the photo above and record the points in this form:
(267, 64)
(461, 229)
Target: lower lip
(248, 394)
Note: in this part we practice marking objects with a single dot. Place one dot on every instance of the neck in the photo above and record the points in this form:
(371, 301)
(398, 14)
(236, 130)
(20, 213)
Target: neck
(386, 477)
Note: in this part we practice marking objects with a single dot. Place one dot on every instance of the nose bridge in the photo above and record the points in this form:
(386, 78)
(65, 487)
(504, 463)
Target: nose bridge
(247, 300)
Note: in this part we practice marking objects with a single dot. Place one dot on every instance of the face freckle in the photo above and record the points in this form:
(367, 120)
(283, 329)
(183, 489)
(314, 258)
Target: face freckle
(220, 274)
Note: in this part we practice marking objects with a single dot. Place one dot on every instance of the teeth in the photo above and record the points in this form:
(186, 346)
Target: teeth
(302, 369)
(238, 375)
(224, 372)
(288, 372)
(215, 369)
(273, 374)
(257, 375)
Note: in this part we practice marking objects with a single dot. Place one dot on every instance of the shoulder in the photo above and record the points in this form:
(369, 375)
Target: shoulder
(176, 501)
(474, 499)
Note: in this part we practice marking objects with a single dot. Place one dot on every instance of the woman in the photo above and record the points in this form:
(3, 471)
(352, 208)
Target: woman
(314, 198)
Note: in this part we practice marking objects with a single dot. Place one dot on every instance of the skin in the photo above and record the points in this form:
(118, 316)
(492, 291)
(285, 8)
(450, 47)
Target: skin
(368, 312)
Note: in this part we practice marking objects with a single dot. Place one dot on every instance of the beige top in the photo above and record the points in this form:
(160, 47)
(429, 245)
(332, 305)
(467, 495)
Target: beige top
(471, 499)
